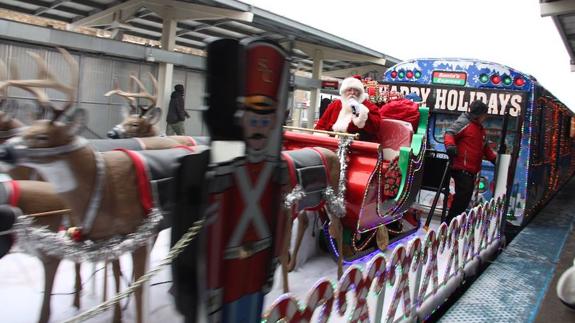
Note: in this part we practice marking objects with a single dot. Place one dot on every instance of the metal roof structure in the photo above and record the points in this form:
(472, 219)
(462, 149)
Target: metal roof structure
(199, 20)
(563, 14)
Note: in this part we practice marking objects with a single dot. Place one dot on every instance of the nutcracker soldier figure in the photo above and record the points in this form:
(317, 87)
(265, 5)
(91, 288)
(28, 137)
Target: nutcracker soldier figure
(246, 226)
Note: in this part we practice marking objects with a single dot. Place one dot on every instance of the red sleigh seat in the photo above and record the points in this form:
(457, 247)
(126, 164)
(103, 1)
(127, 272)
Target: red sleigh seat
(394, 134)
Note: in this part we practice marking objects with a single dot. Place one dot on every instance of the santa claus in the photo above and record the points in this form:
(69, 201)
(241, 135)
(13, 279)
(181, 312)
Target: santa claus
(352, 113)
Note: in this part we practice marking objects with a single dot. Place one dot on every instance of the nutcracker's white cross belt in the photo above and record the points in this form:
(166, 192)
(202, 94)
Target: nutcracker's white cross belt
(252, 211)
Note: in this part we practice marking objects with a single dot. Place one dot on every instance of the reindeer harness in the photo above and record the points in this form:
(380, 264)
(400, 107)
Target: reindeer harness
(78, 143)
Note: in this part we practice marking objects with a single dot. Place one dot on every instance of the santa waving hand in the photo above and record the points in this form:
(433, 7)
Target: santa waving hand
(353, 113)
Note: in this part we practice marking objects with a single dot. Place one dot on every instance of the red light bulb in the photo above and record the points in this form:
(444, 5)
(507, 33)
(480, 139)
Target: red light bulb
(519, 81)
(409, 74)
(495, 79)
(393, 74)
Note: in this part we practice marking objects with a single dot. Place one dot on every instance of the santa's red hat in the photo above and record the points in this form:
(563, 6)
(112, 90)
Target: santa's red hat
(351, 83)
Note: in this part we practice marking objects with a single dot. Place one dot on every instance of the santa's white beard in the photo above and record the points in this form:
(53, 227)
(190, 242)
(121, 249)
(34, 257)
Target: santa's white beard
(344, 117)
(345, 100)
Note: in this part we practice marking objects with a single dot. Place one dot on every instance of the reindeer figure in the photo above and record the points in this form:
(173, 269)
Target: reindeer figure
(100, 188)
(140, 121)
(136, 124)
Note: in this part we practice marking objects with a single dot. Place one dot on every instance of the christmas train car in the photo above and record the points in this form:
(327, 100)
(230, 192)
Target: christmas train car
(378, 183)
(533, 130)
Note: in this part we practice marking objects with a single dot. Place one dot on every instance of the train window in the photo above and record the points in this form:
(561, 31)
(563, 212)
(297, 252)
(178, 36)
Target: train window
(535, 134)
(568, 135)
(546, 129)
(442, 122)
(492, 127)
(493, 133)
(565, 128)
(561, 126)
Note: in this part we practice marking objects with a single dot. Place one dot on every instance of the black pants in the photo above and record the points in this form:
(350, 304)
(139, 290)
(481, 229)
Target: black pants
(464, 186)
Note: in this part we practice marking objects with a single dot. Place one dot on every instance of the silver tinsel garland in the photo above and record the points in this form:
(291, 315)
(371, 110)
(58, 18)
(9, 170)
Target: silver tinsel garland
(292, 197)
(337, 201)
(41, 241)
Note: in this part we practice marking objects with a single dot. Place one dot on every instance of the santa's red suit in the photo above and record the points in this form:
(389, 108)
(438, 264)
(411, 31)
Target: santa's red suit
(339, 115)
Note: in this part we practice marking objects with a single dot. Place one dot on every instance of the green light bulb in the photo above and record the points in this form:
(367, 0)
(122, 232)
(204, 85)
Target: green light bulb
(401, 74)
(507, 80)
(417, 74)
(483, 78)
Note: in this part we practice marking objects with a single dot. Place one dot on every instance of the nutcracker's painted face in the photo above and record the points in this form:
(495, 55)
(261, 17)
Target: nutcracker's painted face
(257, 128)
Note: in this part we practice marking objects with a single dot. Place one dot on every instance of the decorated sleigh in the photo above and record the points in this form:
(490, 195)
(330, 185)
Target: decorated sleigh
(378, 184)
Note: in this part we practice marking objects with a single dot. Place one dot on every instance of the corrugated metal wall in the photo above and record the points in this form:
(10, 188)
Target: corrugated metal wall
(98, 75)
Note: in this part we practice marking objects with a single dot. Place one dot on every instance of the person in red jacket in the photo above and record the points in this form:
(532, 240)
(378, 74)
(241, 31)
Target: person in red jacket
(353, 113)
(466, 146)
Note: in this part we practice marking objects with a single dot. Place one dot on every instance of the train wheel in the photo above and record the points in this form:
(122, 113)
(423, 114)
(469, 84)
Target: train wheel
(382, 237)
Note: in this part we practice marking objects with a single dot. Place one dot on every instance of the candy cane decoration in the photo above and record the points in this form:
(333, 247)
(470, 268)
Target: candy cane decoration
(469, 236)
(499, 217)
(416, 256)
(399, 258)
(351, 279)
(321, 296)
(286, 307)
(430, 250)
(483, 225)
(453, 243)
(378, 266)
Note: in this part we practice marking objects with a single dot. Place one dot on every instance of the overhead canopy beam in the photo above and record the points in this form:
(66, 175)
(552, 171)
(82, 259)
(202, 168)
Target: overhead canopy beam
(52, 5)
(557, 8)
(201, 27)
(167, 9)
(337, 54)
(361, 70)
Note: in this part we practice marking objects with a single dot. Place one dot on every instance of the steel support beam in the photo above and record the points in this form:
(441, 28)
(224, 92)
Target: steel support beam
(565, 41)
(336, 54)
(557, 8)
(20, 32)
(315, 92)
(166, 70)
(52, 5)
(168, 9)
(361, 70)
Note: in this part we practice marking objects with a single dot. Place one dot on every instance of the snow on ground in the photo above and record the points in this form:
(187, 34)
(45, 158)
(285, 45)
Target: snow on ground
(21, 281)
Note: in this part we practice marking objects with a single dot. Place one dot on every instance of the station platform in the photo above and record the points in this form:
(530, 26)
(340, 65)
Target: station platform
(520, 285)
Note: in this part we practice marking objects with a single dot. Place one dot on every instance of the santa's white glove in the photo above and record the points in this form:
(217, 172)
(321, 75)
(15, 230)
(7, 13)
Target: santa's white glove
(360, 113)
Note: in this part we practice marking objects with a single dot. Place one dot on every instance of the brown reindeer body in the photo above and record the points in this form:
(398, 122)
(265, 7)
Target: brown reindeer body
(331, 168)
(115, 215)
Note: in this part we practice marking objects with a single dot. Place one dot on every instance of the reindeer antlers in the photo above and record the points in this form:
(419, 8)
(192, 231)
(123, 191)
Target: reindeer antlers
(46, 79)
(131, 96)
